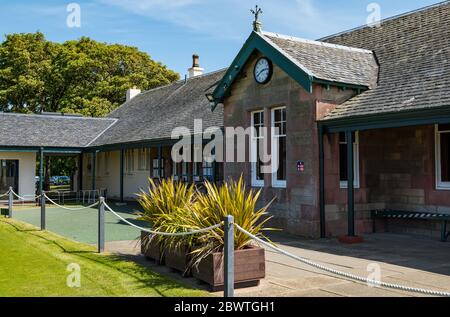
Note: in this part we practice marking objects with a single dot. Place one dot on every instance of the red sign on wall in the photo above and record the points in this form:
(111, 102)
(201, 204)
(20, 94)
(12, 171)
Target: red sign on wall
(301, 166)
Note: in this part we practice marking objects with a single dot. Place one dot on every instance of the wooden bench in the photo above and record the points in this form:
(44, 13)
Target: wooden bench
(412, 215)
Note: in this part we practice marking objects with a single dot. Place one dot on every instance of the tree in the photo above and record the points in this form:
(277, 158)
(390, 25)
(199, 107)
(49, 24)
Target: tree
(82, 76)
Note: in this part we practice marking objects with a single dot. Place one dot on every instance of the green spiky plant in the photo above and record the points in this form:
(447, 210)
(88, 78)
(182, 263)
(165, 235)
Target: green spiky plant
(206, 210)
(162, 202)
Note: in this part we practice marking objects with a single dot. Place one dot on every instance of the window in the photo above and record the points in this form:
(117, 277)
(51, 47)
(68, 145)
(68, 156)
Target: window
(257, 138)
(195, 171)
(129, 161)
(208, 170)
(156, 168)
(343, 173)
(143, 159)
(106, 162)
(9, 175)
(175, 171)
(279, 147)
(443, 156)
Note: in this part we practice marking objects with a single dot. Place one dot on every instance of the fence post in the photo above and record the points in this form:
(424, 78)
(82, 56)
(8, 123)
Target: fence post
(101, 225)
(10, 203)
(229, 257)
(43, 224)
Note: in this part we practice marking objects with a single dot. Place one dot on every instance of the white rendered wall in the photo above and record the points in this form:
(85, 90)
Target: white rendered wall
(27, 171)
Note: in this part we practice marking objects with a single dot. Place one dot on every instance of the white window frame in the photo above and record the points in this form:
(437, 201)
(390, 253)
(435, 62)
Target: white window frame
(356, 171)
(142, 159)
(253, 151)
(156, 171)
(276, 183)
(208, 170)
(106, 162)
(129, 161)
(440, 185)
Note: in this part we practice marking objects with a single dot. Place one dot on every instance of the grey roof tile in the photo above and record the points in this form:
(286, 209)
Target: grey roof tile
(50, 130)
(414, 55)
(329, 62)
(154, 114)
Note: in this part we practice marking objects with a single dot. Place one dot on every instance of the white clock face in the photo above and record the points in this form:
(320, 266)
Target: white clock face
(263, 71)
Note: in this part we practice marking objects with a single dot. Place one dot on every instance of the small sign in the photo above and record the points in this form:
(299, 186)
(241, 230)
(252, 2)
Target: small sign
(301, 166)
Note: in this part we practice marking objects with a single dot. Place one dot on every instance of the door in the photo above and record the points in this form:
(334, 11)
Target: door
(9, 175)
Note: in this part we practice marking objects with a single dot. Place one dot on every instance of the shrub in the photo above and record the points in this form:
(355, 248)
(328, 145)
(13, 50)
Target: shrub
(167, 211)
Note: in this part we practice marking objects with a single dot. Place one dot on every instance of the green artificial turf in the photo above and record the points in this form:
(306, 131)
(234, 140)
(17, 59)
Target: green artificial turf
(82, 225)
(34, 263)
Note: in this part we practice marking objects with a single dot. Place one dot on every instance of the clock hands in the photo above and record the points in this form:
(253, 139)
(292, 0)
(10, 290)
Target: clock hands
(261, 71)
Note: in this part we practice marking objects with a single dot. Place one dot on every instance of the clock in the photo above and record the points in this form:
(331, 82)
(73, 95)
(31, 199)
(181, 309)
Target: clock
(263, 70)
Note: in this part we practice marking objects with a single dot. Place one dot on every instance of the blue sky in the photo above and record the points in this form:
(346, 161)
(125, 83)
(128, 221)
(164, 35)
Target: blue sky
(171, 30)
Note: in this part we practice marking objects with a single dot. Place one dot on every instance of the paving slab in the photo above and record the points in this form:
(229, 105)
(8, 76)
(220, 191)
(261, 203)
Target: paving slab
(402, 259)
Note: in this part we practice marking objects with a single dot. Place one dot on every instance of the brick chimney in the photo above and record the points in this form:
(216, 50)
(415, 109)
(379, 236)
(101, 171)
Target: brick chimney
(132, 92)
(195, 70)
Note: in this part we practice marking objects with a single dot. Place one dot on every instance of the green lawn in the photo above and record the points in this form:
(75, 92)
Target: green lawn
(34, 263)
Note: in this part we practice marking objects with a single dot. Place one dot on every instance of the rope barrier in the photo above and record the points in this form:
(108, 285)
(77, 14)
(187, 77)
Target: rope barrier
(71, 209)
(163, 233)
(5, 194)
(344, 274)
(23, 198)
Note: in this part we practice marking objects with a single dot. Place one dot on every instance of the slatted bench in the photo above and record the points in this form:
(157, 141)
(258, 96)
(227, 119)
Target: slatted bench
(411, 215)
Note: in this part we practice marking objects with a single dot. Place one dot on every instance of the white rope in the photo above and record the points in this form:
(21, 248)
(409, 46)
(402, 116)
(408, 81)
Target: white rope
(23, 198)
(344, 274)
(163, 233)
(71, 209)
(5, 194)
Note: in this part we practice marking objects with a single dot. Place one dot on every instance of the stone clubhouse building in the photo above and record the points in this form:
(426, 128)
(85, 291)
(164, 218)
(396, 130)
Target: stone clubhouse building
(363, 122)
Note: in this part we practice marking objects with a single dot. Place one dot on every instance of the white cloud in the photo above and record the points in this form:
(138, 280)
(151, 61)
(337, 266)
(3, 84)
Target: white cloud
(231, 19)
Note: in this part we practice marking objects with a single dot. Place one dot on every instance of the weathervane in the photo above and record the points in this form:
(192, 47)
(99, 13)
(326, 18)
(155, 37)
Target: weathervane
(257, 24)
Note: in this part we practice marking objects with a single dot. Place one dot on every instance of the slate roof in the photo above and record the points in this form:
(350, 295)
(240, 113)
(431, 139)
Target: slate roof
(153, 114)
(414, 55)
(50, 130)
(329, 62)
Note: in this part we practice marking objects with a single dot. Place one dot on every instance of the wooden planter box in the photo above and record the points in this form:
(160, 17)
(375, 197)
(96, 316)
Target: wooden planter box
(178, 259)
(249, 269)
(151, 249)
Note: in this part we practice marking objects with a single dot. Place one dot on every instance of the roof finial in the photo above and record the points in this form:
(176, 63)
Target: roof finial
(257, 24)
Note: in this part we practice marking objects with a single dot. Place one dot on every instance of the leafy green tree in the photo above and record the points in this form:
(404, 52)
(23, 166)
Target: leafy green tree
(82, 76)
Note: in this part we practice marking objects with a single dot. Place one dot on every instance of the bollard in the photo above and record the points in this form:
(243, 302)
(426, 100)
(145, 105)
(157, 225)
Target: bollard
(229, 257)
(43, 225)
(101, 225)
(10, 203)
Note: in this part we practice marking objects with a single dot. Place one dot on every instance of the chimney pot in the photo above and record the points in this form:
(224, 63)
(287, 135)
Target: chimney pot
(195, 60)
(195, 70)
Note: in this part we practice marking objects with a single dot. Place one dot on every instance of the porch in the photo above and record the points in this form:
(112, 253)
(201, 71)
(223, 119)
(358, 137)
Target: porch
(123, 170)
(393, 162)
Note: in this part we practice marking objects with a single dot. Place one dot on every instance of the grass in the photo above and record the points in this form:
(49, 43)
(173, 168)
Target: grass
(34, 263)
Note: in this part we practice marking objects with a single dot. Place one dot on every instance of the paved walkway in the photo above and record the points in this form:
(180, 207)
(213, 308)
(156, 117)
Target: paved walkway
(402, 259)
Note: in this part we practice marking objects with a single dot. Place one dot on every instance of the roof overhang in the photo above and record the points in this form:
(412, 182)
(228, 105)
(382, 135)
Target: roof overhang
(35, 149)
(424, 116)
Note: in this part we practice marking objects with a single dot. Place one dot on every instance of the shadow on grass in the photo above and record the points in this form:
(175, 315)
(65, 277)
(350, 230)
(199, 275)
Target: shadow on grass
(124, 264)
